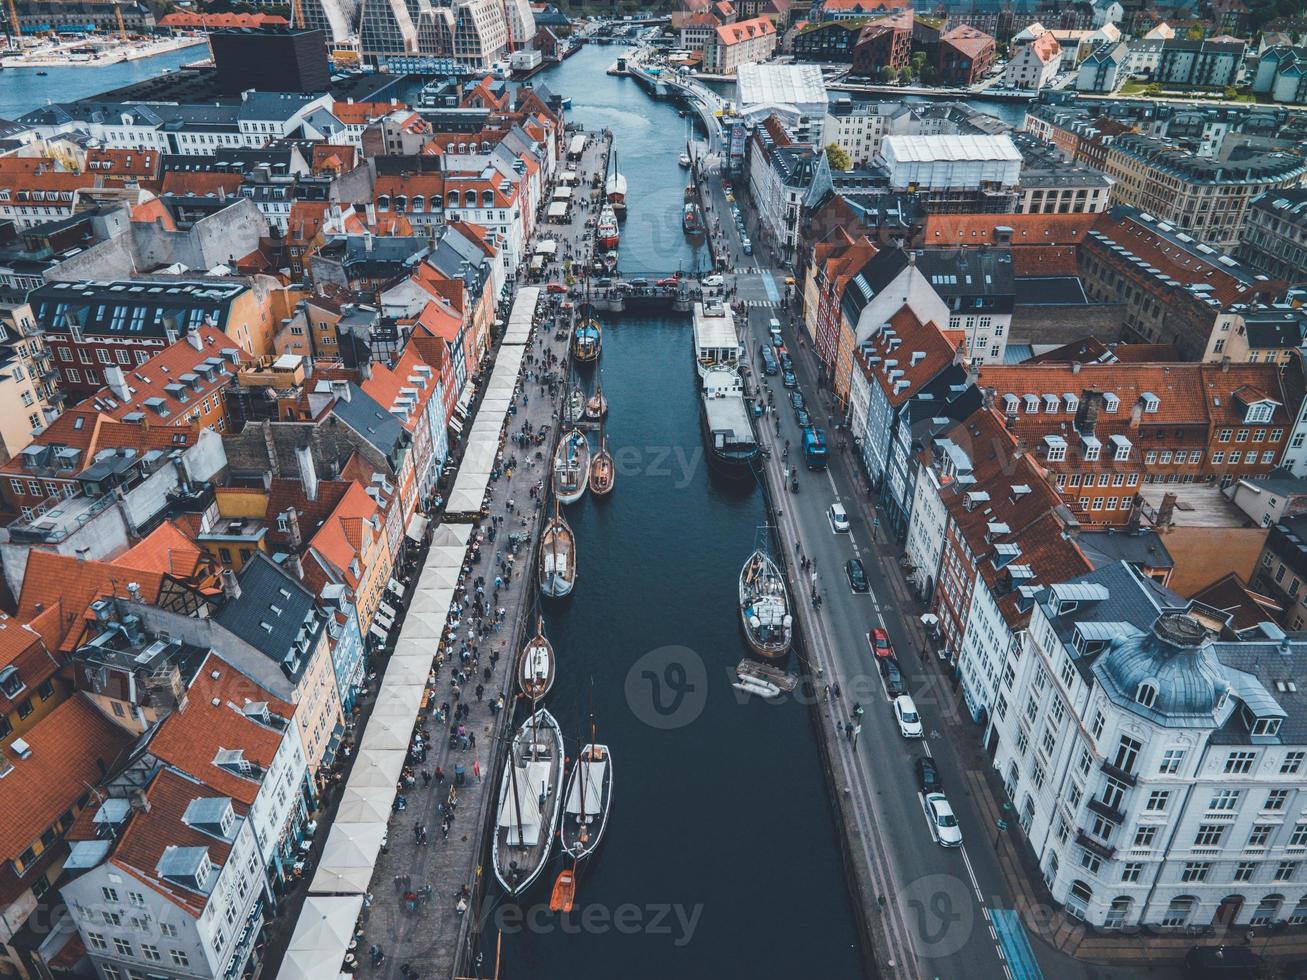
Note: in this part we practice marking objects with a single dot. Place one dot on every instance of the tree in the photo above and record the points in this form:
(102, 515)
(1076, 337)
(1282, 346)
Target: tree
(839, 159)
(918, 63)
(1195, 32)
(905, 74)
(887, 74)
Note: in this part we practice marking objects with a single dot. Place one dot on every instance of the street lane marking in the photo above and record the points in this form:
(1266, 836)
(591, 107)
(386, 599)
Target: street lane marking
(1015, 945)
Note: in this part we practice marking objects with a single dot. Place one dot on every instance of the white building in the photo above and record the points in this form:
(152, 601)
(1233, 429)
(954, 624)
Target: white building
(928, 527)
(172, 887)
(858, 128)
(1035, 64)
(791, 90)
(1156, 761)
(942, 162)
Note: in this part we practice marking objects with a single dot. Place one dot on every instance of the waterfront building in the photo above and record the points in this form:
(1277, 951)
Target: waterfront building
(825, 10)
(784, 179)
(1035, 64)
(35, 16)
(827, 41)
(740, 43)
(388, 27)
(270, 58)
(1149, 752)
(964, 56)
(337, 19)
(1106, 69)
(481, 35)
(1207, 63)
(884, 43)
(796, 92)
(1275, 235)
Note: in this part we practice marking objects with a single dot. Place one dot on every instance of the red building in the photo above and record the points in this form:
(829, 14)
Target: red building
(965, 55)
(884, 43)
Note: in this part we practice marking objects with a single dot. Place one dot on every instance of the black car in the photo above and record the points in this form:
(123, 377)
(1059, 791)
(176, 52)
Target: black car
(801, 416)
(796, 399)
(789, 380)
(894, 685)
(857, 575)
(787, 362)
(928, 775)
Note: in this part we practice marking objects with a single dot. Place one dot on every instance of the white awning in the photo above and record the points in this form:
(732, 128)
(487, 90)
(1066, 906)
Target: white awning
(378, 632)
(547, 246)
(366, 804)
(349, 858)
(417, 528)
(394, 586)
(323, 932)
(386, 610)
(558, 209)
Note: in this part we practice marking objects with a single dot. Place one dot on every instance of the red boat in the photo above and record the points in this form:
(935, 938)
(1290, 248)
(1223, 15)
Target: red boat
(606, 231)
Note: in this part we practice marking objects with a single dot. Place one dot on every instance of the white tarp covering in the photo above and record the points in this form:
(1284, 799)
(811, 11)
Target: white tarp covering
(449, 534)
(448, 556)
(323, 932)
(519, 811)
(591, 774)
(365, 804)
(377, 768)
(558, 209)
(417, 527)
(348, 858)
(388, 733)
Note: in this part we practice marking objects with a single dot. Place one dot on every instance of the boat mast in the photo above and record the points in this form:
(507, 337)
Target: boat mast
(517, 799)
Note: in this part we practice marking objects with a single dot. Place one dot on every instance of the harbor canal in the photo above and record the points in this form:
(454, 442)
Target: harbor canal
(721, 856)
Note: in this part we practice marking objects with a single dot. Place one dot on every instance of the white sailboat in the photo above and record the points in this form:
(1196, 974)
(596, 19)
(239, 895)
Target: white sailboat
(530, 795)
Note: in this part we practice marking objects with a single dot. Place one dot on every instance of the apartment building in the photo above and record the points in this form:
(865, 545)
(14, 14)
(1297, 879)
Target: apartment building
(1035, 64)
(740, 43)
(964, 56)
(1199, 64)
(30, 397)
(1275, 235)
(1152, 758)
(480, 33)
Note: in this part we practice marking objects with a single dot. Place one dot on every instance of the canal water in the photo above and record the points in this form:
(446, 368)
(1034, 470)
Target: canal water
(22, 90)
(720, 859)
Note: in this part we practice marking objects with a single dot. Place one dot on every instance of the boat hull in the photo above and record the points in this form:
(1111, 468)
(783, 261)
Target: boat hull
(771, 605)
(573, 846)
(734, 464)
(538, 855)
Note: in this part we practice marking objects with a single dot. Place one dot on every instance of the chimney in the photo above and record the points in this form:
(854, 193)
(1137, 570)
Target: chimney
(134, 591)
(1091, 403)
(193, 338)
(370, 213)
(117, 382)
(295, 567)
(231, 586)
(1136, 414)
(293, 521)
(365, 369)
(1166, 512)
(1075, 367)
(308, 473)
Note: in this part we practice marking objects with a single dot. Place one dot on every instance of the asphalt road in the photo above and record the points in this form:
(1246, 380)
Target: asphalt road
(947, 912)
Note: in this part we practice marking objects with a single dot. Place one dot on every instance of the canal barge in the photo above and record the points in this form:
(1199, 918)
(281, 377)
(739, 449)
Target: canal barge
(716, 344)
(530, 795)
(727, 430)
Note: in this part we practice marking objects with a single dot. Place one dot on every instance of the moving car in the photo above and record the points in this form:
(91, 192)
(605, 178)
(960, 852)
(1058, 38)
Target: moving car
(669, 281)
(905, 713)
(638, 283)
(857, 575)
(556, 287)
(839, 520)
(713, 281)
(879, 641)
(789, 380)
(769, 366)
(894, 684)
(928, 775)
(943, 824)
(747, 246)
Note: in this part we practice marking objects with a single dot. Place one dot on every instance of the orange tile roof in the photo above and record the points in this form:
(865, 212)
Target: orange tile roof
(340, 540)
(968, 40)
(168, 548)
(201, 183)
(152, 212)
(385, 384)
(73, 748)
(24, 647)
(190, 739)
(150, 832)
(73, 584)
(1046, 47)
(1027, 229)
(213, 22)
(913, 337)
(745, 30)
(133, 163)
(151, 379)
(334, 157)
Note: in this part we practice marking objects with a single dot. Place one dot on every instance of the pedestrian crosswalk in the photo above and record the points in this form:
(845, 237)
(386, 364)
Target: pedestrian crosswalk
(770, 304)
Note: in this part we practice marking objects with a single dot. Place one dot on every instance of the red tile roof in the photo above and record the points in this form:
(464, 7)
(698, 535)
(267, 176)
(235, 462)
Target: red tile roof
(213, 22)
(51, 580)
(911, 337)
(200, 183)
(340, 540)
(73, 749)
(969, 40)
(139, 163)
(168, 548)
(745, 30)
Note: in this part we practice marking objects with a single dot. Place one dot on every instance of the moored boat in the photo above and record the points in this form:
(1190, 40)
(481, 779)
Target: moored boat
(557, 557)
(727, 429)
(691, 221)
(571, 467)
(574, 405)
(530, 795)
(683, 159)
(610, 261)
(765, 607)
(716, 344)
(615, 188)
(606, 231)
(535, 673)
(603, 471)
(588, 801)
(596, 406)
(587, 340)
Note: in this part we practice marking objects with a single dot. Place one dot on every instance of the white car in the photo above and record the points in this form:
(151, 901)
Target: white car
(905, 713)
(713, 281)
(943, 824)
(839, 521)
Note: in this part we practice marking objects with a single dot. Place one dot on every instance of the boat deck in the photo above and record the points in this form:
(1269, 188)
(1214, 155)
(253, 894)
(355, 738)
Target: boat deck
(729, 414)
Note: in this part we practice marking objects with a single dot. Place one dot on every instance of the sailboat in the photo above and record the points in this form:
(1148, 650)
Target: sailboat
(603, 471)
(596, 407)
(535, 673)
(589, 798)
(557, 557)
(574, 405)
(571, 467)
(606, 230)
(765, 606)
(587, 340)
(529, 798)
(615, 189)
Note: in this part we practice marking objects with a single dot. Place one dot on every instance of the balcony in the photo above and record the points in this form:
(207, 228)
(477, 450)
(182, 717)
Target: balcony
(1107, 811)
(1095, 846)
(1129, 778)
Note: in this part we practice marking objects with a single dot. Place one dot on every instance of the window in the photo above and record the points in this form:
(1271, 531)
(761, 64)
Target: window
(1147, 693)
(1292, 763)
(1209, 835)
(96, 940)
(1145, 837)
(1131, 871)
(1225, 800)
(1195, 871)
(179, 958)
(1240, 762)
(1157, 801)
(1090, 861)
(1171, 760)
(1178, 912)
(1097, 727)
(1285, 870)
(1267, 909)
(1299, 836)
(168, 929)
(1276, 799)
(150, 952)
(123, 947)
(1127, 753)
(1245, 870)
(110, 972)
(1260, 834)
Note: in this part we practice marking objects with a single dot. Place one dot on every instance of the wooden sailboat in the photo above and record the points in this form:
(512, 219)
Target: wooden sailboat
(530, 795)
(596, 406)
(765, 606)
(571, 467)
(574, 406)
(603, 471)
(589, 798)
(535, 674)
(557, 556)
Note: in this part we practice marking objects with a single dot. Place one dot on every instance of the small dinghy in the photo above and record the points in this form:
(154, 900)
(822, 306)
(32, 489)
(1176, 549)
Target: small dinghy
(603, 471)
(571, 467)
(535, 675)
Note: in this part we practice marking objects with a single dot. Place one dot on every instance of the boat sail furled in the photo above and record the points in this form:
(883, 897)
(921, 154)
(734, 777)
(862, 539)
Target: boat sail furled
(615, 187)
(530, 796)
(535, 674)
(571, 467)
(557, 557)
(589, 797)
(765, 606)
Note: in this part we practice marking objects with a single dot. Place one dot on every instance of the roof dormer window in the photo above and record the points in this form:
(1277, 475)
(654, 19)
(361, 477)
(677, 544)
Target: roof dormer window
(1011, 403)
(1150, 401)
(1259, 412)
(1032, 404)
(1110, 402)
(1146, 694)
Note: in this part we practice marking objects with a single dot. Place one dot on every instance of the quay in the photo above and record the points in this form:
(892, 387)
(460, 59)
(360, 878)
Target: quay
(369, 889)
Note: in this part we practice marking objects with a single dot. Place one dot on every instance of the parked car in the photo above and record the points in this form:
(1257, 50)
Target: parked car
(905, 713)
(839, 520)
(604, 282)
(747, 246)
(928, 775)
(857, 575)
(879, 641)
(796, 397)
(669, 281)
(894, 684)
(943, 824)
(789, 380)
(801, 416)
(638, 283)
(786, 361)
(713, 281)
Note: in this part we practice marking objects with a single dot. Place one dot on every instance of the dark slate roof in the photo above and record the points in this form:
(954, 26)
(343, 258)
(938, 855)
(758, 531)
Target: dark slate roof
(273, 105)
(269, 614)
(879, 272)
(1276, 328)
(969, 273)
(1144, 548)
(366, 417)
(1049, 291)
